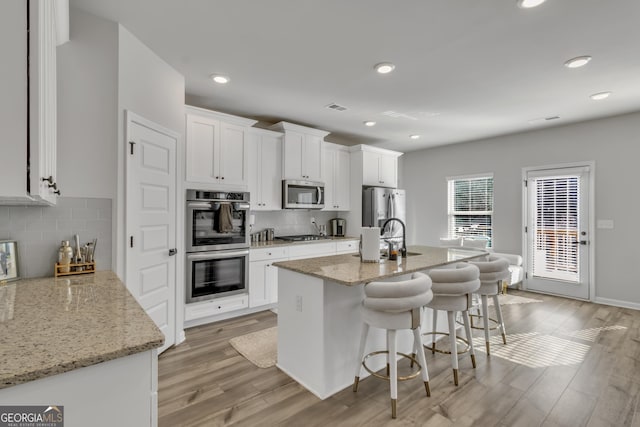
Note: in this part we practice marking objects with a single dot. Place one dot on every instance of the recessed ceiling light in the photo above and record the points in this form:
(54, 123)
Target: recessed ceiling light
(578, 61)
(219, 78)
(414, 136)
(600, 96)
(528, 4)
(384, 67)
(369, 123)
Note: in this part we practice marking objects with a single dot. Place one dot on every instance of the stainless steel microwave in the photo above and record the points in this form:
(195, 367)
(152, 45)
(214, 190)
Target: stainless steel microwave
(298, 194)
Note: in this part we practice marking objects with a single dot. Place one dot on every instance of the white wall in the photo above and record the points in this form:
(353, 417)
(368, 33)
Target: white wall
(149, 87)
(612, 143)
(87, 107)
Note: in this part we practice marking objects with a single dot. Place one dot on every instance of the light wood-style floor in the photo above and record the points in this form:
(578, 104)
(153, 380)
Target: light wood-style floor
(567, 363)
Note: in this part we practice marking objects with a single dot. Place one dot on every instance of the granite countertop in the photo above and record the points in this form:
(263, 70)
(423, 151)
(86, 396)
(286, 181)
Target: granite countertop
(348, 270)
(278, 242)
(53, 325)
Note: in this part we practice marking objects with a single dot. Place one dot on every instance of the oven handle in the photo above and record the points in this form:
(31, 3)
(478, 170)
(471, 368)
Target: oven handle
(216, 255)
(204, 205)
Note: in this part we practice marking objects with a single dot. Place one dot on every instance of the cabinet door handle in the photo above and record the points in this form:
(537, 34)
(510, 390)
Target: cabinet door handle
(173, 251)
(57, 192)
(49, 180)
(222, 177)
(217, 177)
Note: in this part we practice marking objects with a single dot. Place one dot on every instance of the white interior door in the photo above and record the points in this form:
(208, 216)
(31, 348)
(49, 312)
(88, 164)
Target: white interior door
(151, 221)
(557, 231)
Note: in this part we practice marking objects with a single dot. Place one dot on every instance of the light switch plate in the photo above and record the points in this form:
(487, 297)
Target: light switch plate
(606, 224)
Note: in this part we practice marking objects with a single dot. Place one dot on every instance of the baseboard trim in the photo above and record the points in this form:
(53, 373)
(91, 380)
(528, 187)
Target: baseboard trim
(617, 303)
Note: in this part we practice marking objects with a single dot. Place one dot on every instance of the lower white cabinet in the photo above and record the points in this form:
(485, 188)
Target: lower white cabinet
(347, 246)
(263, 276)
(214, 307)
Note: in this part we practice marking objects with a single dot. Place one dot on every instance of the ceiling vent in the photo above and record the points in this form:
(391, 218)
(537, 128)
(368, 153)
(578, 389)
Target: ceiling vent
(335, 107)
(552, 118)
(397, 115)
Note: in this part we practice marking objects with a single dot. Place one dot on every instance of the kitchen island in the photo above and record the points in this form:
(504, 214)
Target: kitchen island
(82, 342)
(319, 319)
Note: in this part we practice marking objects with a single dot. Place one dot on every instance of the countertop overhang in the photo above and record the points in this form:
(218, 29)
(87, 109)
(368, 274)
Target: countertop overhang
(348, 270)
(49, 326)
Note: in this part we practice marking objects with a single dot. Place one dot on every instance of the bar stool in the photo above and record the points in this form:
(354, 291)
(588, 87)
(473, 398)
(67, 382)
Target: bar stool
(493, 272)
(452, 287)
(393, 306)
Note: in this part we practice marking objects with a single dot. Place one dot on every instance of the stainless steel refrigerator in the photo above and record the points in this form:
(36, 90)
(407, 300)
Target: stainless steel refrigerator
(380, 204)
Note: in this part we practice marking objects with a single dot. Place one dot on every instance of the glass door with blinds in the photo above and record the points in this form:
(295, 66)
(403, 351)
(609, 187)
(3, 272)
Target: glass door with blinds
(557, 231)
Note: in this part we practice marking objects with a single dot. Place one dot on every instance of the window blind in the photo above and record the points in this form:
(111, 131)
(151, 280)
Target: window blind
(471, 207)
(556, 228)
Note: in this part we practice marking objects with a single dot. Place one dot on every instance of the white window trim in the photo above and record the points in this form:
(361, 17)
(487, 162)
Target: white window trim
(451, 212)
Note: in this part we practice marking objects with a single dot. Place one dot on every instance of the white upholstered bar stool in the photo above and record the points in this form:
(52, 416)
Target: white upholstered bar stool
(493, 272)
(452, 287)
(393, 306)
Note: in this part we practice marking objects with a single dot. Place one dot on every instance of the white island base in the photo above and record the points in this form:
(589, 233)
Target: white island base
(319, 328)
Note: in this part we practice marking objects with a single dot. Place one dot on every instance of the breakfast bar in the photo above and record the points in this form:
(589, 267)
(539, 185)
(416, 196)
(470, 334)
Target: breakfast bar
(319, 320)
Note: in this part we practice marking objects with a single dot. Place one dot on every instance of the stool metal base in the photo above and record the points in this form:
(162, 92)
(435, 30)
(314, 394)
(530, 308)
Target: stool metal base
(387, 377)
(491, 328)
(433, 343)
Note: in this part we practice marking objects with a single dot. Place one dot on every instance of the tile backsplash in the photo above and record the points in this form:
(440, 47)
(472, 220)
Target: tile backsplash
(292, 221)
(40, 229)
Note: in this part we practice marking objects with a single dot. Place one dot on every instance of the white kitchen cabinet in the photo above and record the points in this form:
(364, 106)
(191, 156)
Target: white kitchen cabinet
(216, 148)
(263, 276)
(265, 170)
(347, 246)
(336, 174)
(312, 250)
(29, 82)
(379, 166)
(302, 151)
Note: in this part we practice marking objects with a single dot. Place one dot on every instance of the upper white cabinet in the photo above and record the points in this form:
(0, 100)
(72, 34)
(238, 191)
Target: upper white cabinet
(265, 169)
(216, 148)
(28, 160)
(302, 151)
(379, 166)
(336, 170)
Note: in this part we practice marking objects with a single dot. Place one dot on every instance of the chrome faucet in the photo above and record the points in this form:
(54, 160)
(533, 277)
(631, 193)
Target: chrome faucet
(403, 251)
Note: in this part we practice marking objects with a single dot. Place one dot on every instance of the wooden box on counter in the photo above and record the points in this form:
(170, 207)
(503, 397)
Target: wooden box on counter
(81, 268)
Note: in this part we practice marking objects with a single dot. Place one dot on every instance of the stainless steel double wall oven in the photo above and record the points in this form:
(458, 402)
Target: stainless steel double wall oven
(217, 244)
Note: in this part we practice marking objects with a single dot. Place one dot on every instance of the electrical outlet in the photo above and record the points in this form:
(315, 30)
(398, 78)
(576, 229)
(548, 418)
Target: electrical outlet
(299, 303)
(313, 220)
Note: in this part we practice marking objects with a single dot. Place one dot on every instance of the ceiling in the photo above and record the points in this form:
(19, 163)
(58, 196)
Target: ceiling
(465, 69)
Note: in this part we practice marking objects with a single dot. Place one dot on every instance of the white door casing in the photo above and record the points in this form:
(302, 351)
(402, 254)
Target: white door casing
(151, 221)
(558, 242)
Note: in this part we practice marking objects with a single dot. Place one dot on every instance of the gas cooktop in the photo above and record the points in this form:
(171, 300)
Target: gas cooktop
(301, 237)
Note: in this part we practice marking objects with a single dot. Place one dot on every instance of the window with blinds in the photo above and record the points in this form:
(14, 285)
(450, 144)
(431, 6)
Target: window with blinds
(556, 228)
(471, 207)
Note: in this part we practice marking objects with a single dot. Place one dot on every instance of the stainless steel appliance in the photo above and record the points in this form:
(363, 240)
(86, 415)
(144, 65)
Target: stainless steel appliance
(302, 194)
(217, 274)
(217, 244)
(217, 220)
(379, 204)
(300, 237)
(338, 227)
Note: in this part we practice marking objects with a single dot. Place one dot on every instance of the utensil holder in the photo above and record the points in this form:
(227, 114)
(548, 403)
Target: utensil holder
(88, 267)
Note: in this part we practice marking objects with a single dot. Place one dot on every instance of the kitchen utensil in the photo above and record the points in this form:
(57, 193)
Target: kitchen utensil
(78, 254)
(65, 256)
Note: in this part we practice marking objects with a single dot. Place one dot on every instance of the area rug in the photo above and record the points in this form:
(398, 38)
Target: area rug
(259, 348)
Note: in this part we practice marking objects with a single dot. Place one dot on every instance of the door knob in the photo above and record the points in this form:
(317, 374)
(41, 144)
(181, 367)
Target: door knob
(173, 251)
